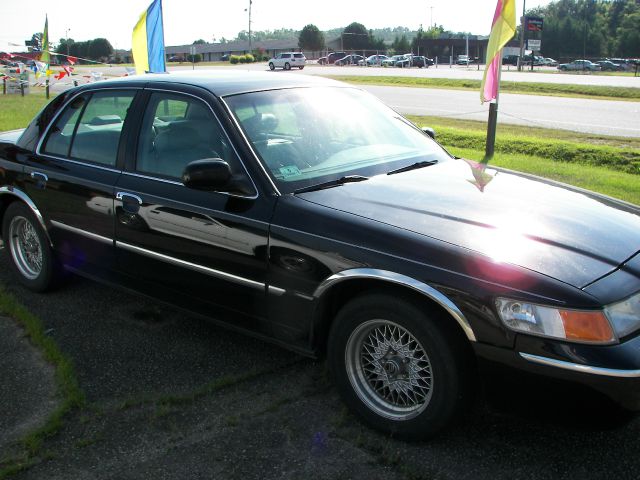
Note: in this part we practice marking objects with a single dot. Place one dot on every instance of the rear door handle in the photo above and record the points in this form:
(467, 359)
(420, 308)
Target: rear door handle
(130, 203)
(41, 179)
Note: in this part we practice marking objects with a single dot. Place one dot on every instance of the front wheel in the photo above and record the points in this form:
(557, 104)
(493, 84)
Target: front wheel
(401, 368)
(287, 66)
(301, 67)
(271, 66)
(31, 256)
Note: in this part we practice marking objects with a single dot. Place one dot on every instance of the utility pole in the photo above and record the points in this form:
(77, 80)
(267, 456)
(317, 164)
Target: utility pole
(522, 27)
(249, 9)
(431, 23)
(66, 34)
(250, 49)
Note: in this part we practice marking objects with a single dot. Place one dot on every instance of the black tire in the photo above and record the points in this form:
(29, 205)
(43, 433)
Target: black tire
(287, 66)
(301, 67)
(32, 259)
(434, 365)
(271, 66)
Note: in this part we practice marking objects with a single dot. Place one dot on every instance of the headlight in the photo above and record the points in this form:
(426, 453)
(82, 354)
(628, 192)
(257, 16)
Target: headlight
(625, 315)
(588, 326)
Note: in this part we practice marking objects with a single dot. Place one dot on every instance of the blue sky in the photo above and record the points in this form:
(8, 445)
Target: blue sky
(188, 20)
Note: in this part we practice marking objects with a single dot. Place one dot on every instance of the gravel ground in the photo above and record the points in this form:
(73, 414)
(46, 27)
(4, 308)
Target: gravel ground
(172, 396)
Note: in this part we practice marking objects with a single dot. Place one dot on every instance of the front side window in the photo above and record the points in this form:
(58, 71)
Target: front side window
(176, 130)
(307, 136)
(90, 127)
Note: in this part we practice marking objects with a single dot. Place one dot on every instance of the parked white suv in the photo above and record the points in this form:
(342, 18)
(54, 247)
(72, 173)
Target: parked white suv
(288, 60)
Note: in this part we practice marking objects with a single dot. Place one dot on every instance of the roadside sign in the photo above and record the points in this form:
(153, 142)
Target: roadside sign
(17, 76)
(534, 45)
(534, 24)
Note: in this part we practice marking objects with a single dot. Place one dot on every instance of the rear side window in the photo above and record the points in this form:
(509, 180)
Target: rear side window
(90, 127)
(298, 55)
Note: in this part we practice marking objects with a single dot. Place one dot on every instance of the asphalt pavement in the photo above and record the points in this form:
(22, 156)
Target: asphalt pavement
(172, 396)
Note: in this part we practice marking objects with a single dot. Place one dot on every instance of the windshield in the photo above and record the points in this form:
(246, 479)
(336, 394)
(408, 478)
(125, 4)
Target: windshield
(308, 136)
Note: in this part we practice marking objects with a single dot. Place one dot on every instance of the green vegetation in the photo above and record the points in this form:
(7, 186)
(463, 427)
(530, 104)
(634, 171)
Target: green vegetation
(579, 28)
(609, 165)
(69, 392)
(527, 88)
(17, 111)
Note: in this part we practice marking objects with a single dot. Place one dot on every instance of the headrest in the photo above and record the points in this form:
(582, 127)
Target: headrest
(177, 137)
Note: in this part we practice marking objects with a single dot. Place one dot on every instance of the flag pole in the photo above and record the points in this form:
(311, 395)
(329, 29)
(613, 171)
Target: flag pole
(493, 117)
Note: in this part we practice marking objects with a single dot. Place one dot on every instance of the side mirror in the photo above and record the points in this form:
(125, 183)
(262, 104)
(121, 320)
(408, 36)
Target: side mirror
(429, 131)
(207, 174)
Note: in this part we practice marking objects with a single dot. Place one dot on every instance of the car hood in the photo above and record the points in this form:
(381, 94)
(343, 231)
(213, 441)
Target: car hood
(11, 136)
(566, 233)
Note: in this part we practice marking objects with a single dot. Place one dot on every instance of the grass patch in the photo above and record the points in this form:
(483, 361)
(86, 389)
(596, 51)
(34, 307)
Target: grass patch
(527, 88)
(17, 111)
(614, 153)
(478, 126)
(67, 385)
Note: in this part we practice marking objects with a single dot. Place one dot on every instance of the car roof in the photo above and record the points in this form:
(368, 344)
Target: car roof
(222, 83)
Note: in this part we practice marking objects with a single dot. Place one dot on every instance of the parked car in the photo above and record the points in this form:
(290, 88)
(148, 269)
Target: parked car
(373, 60)
(414, 61)
(302, 211)
(331, 58)
(391, 61)
(463, 60)
(549, 62)
(608, 65)
(288, 60)
(580, 65)
(510, 59)
(349, 60)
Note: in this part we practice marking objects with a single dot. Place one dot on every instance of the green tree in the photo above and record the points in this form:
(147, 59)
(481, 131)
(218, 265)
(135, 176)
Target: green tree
(100, 49)
(199, 42)
(401, 45)
(628, 33)
(311, 38)
(355, 37)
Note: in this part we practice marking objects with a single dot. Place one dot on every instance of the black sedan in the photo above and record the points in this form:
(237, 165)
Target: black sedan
(305, 212)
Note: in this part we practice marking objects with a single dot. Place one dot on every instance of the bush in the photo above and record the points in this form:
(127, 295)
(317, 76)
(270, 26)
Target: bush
(234, 59)
(249, 58)
(197, 58)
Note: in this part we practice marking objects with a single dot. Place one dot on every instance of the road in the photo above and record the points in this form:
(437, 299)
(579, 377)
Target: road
(601, 117)
(589, 116)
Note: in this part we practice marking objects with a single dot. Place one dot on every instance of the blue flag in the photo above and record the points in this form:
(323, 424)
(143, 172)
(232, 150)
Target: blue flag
(148, 40)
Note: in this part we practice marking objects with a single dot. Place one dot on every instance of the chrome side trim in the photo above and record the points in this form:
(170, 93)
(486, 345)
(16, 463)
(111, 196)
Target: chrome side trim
(192, 266)
(84, 233)
(576, 367)
(77, 162)
(399, 279)
(16, 192)
(276, 290)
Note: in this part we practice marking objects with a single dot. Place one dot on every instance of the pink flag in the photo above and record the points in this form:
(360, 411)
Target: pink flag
(502, 30)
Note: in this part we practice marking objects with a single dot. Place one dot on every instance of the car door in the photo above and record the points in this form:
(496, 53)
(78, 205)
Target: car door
(204, 250)
(72, 174)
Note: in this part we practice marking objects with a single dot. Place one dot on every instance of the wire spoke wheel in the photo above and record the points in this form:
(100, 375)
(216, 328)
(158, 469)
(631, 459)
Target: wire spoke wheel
(389, 369)
(26, 248)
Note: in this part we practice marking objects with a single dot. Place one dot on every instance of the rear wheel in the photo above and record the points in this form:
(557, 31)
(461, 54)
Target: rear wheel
(271, 66)
(397, 366)
(301, 67)
(31, 256)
